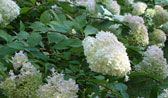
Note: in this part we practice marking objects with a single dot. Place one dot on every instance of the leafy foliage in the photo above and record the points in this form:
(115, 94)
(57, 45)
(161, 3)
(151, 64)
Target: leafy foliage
(51, 33)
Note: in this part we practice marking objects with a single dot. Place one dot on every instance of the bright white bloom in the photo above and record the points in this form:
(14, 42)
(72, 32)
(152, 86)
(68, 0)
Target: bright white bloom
(57, 87)
(89, 4)
(158, 37)
(112, 6)
(138, 34)
(19, 59)
(106, 54)
(139, 8)
(9, 11)
(164, 94)
(154, 64)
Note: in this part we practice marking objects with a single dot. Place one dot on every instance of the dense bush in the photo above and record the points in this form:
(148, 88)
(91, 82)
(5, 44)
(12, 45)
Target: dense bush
(83, 49)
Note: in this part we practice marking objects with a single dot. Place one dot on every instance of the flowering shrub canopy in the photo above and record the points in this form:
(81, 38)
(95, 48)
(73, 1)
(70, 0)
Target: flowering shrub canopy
(83, 48)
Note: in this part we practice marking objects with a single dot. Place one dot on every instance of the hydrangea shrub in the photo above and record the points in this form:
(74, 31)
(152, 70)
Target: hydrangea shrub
(83, 48)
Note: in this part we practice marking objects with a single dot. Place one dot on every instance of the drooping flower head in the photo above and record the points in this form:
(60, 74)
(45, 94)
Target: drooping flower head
(9, 11)
(139, 8)
(105, 54)
(154, 64)
(58, 87)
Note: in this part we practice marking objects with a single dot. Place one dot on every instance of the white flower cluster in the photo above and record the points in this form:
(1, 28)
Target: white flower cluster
(133, 20)
(9, 10)
(19, 59)
(150, 12)
(58, 87)
(161, 15)
(154, 64)
(164, 94)
(112, 6)
(25, 82)
(106, 54)
(138, 34)
(139, 8)
(158, 37)
(89, 4)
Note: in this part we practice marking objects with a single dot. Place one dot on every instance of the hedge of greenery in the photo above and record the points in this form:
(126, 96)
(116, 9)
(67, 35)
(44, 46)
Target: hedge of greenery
(83, 49)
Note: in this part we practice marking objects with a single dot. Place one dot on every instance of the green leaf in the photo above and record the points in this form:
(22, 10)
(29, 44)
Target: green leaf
(120, 86)
(54, 37)
(22, 35)
(22, 26)
(89, 30)
(39, 27)
(79, 22)
(68, 43)
(33, 1)
(5, 36)
(62, 27)
(75, 43)
(34, 39)
(99, 77)
(24, 10)
(46, 17)
(16, 45)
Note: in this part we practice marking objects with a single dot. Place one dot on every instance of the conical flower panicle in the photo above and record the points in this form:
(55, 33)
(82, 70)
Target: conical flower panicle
(106, 55)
